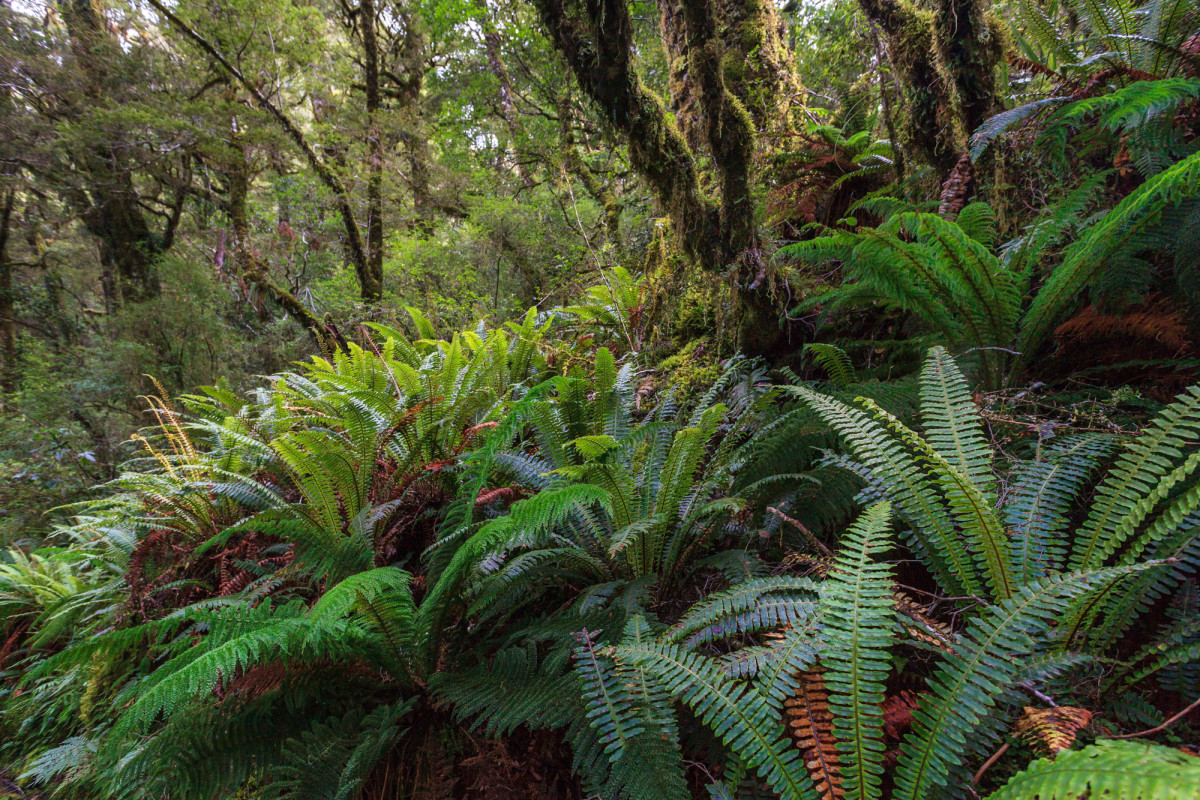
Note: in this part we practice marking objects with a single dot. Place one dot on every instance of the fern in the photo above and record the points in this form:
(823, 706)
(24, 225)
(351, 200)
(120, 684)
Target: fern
(333, 759)
(834, 361)
(965, 690)
(1141, 477)
(908, 487)
(1042, 498)
(1129, 770)
(950, 427)
(739, 717)
(1083, 259)
(858, 601)
(750, 606)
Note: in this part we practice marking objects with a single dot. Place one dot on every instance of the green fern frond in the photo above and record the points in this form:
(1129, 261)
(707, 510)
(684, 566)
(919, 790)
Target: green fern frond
(1042, 496)
(1138, 481)
(834, 361)
(1128, 770)
(740, 717)
(331, 760)
(964, 692)
(952, 425)
(994, 127)
(860, 624)
(1083, 259)
(907, 485)
(750, 606)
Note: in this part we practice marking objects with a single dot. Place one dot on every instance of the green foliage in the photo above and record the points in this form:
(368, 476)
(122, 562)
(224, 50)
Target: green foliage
(546, 507)
(858, 602)
(935, 269)
(1132, 770)
(562, 573)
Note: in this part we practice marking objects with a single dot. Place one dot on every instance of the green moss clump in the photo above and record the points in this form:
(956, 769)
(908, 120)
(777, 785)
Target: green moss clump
(690, 371)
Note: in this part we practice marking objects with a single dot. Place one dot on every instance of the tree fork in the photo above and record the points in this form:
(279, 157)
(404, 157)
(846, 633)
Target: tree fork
(595, 37)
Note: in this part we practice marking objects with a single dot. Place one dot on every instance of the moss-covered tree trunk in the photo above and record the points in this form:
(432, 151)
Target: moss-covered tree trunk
(945, 59)
(253, 269)
(729, 130)
(8, 326)
(573, 164)
(720, 233)
(596, 39)
(371, 278)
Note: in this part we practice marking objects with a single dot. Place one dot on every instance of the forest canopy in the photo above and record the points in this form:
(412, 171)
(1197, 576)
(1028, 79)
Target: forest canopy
(600, 399)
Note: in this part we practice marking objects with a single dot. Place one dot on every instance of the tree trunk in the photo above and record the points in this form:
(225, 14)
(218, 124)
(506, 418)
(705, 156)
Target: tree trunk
(8, 327)
(945, 61)
(730, 132)
(574, 164)
(596, 37)
(508, 110)
(371, 279)
(111, 211)
(254, 271)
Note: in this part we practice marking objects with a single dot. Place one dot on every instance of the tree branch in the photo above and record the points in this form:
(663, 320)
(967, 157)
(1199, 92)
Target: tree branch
(358, 250)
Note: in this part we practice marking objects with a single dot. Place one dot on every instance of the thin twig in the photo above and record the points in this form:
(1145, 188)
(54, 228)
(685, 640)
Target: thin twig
(996, 756)
(1039, 695)
(1195, 704)
(809, 534)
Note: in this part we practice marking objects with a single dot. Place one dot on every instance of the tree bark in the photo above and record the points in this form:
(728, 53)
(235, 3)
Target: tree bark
(595, 37)
(945, 61)
(253, 269)
(110, 209)
(8, 327)
(508, 110)
(371, 280)
(730, 132)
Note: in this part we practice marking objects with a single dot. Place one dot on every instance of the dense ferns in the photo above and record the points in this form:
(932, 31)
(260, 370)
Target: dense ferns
(430, 534)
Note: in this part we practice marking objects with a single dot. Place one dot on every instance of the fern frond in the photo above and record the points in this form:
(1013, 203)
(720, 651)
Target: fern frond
(906, 485)
(1083, 259)
(1138, 481)
(860, 624)
(739, 717)
(834, 361)
(741, 609)
(1042, 496)
(952, 424)
(1128, 770)
(965, 690)
(811, 722)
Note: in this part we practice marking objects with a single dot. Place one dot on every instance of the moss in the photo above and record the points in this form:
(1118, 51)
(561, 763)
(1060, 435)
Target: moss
(690, 371)
(696, 313)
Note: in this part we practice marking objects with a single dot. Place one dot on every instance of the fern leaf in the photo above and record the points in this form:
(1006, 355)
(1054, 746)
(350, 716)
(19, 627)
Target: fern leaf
(1088, 255)
(907, 486)
(1128, 770)
(811, 721)
(834, 361)
(952, 424)
(966, 688)
(739, 717)
(858, 600)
